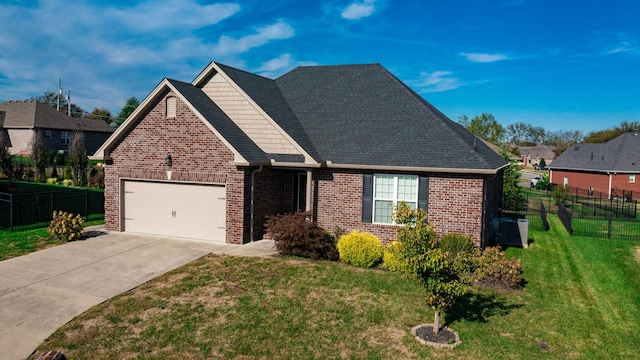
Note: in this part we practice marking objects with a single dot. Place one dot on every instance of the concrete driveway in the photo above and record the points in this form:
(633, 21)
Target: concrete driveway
(44, 290)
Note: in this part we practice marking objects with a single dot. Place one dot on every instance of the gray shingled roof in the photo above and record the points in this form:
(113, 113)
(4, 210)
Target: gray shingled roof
(363, 115)
(30, 114)
(621, 154)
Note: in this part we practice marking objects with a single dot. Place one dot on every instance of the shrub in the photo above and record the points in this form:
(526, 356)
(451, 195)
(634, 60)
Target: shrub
(360, 249)
(560, 194)
(65, 226)
(67, 182)
(52, 180)
(68, 172)
(496, 269)
(390, 258)
(294, 234)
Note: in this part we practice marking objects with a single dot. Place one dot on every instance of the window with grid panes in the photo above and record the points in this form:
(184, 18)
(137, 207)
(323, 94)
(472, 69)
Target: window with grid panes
(388, 191)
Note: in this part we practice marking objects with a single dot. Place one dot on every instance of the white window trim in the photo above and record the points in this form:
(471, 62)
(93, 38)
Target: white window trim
(395, 195)
(632, 179)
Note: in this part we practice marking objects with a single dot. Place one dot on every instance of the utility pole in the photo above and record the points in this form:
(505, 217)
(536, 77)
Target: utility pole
(59, 93)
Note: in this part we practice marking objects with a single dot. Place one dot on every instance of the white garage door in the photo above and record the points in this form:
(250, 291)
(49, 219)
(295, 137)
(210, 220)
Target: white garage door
(183, 210)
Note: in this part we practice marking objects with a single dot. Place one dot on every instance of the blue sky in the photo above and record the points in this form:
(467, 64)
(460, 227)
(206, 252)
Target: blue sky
(559, 64)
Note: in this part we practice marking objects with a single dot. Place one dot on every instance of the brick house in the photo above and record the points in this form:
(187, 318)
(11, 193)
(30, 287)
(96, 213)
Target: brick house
(20, 119)
(211, 158)
(609, 168)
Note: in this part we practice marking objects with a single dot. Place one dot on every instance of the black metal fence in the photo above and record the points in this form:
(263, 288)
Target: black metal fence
(606, 227)
(28, 211)
(565, 217)
(590, 203)
(543, 216)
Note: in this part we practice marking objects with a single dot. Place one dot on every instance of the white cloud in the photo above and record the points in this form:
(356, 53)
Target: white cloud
(227, 45)
(169, 14)
(484, 58)
(359, 10)
(437, 81)
(280, 65)
(624, 47)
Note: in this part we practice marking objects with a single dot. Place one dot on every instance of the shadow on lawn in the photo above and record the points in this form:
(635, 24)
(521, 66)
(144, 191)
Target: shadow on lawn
(479, 307)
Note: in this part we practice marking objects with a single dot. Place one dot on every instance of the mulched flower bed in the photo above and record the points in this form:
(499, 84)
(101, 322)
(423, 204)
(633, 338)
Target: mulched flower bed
(444, 339)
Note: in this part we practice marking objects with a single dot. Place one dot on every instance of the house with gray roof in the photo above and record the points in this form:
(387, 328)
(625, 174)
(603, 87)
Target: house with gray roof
(609, 167)
(21, 119)
(210, 159)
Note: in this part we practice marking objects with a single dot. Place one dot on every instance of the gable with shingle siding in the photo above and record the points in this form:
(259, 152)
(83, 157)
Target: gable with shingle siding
(247, 117)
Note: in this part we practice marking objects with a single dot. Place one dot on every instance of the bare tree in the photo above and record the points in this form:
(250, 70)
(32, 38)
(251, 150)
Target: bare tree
(78, 158)
(39, 155)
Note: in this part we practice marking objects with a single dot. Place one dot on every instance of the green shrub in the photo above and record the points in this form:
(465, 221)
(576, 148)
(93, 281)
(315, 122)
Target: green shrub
(498, 270)
(52, 180)
(67, 182)
(294, 234)
(560, 195)
(65, 226)
(68, 172)
(390, 258)
(360, 249)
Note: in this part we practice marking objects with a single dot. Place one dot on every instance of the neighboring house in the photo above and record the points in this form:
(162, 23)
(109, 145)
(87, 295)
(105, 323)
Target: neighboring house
(531, 155)
(212, 158)
(24, 117)
(610, 168)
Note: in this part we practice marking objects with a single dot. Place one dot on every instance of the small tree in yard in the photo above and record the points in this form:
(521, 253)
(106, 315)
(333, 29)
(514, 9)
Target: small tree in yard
(6, 163)
(78, 158)
(39, 155)
(443, 266)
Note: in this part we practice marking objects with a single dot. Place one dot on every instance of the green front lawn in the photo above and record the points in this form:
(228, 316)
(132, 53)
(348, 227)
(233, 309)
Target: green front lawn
(17, 243)
(582, 301)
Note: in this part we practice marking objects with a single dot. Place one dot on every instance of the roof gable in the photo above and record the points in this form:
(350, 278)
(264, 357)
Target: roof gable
(254, 104)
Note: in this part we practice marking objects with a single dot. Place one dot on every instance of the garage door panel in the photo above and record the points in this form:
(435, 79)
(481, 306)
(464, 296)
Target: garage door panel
(183, 210)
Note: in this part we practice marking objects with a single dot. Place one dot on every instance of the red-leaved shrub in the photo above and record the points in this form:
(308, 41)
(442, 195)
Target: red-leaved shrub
(295, 234)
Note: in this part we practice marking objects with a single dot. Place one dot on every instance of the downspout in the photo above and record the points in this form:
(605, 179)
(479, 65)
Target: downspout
(252, 206)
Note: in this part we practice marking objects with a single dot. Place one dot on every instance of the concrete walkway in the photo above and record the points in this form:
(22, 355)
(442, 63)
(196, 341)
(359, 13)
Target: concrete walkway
(44, 290)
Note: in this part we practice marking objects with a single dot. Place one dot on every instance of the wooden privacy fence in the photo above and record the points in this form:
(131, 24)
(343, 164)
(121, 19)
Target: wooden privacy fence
(25, 211)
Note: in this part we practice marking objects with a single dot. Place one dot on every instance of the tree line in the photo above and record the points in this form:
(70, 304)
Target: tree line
(517, 134)
(51, 98)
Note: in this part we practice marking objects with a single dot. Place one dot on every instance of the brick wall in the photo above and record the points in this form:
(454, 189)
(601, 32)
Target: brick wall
(198, 157)
(598, 181)
(455, 204)
(273, 195)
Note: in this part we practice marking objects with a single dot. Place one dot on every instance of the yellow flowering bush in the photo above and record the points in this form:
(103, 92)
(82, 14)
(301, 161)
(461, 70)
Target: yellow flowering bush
(360, 249)
(65, 226)
(390, 259)
(52, 180)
